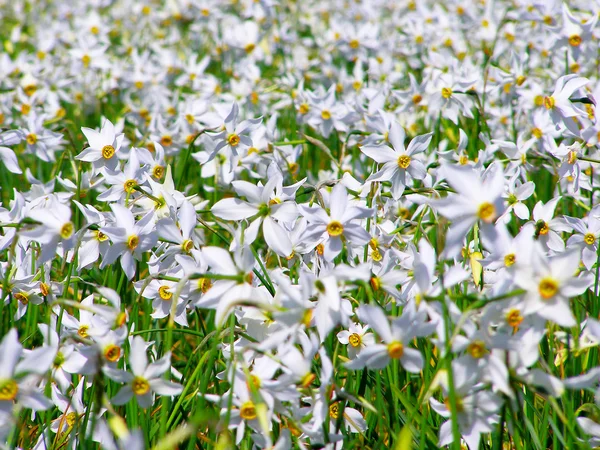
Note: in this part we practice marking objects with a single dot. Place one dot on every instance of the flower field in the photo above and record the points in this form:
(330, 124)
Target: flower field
(284, 224)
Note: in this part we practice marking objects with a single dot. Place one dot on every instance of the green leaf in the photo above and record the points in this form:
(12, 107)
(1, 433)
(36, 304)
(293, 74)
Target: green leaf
(404, 441)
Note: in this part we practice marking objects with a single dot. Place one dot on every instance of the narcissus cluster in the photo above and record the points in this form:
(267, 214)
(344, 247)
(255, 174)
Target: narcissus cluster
(268, 224)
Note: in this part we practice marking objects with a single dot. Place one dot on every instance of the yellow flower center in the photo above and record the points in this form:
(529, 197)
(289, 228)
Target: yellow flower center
(86, 59)
(574, 40)
(253, 382)
(30, 89)
(164, 293)
(486, 212)
(8, 390)
(463, 160)
(187, 245)
(509, 259)
(22, 297)
(548, 288)
(100, 236)
(233, 140)
(303, 108)
(395, 350)
(44, 289)
(132, 242)
(404, 161)
(83, 331)
(325, 114)
(537, 132)
(108, 151)
(376, 255)
(572, 159)
(31, 138)
(355, 340)
(416, 99)
(542, 227)
(129, 186)
(589, 238)
(307, 317)
(375, 283)
(460, 407)
(549, 102)
(249, 48)
(158, 172)
(120, 320)
(59, 360)
(140, 386)
(204, 284)
(446, 92)
(514, 318)
(71, 418)
(166, 140)
(112, 352)
(334, 411)
(67, 230)
(477, 349)
(354, 44)
(335, 228)
(248, 411)
(307, 379)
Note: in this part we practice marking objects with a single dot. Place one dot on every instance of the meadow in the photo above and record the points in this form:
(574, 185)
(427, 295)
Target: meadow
(283, 224)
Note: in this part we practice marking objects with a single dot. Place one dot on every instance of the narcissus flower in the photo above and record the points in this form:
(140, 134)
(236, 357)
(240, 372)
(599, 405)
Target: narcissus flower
(144, 379)
(550, 283)
(340, 222)
(104, 146)
(399, 164)
(478, 198)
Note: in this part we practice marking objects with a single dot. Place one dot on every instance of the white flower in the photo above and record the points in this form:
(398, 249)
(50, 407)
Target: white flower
(340, 222)
(550, 283)
(398, 162)
(145, 378)
(475, 200)
(104, 146)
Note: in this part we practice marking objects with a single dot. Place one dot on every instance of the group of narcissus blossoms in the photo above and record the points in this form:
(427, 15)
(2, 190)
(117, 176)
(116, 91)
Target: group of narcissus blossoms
(269, 224)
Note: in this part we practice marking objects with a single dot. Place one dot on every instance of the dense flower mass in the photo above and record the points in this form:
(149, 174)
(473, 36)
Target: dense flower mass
(271, 224)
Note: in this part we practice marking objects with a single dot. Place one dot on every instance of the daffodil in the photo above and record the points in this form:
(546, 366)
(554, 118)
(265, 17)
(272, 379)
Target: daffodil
(340, 222)
(396, 338)
(103, 146)
(478, 198)
(400, 164)
(130, 239)
(235, 136)
(55, 228)
(550, 283)
(145, 378)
